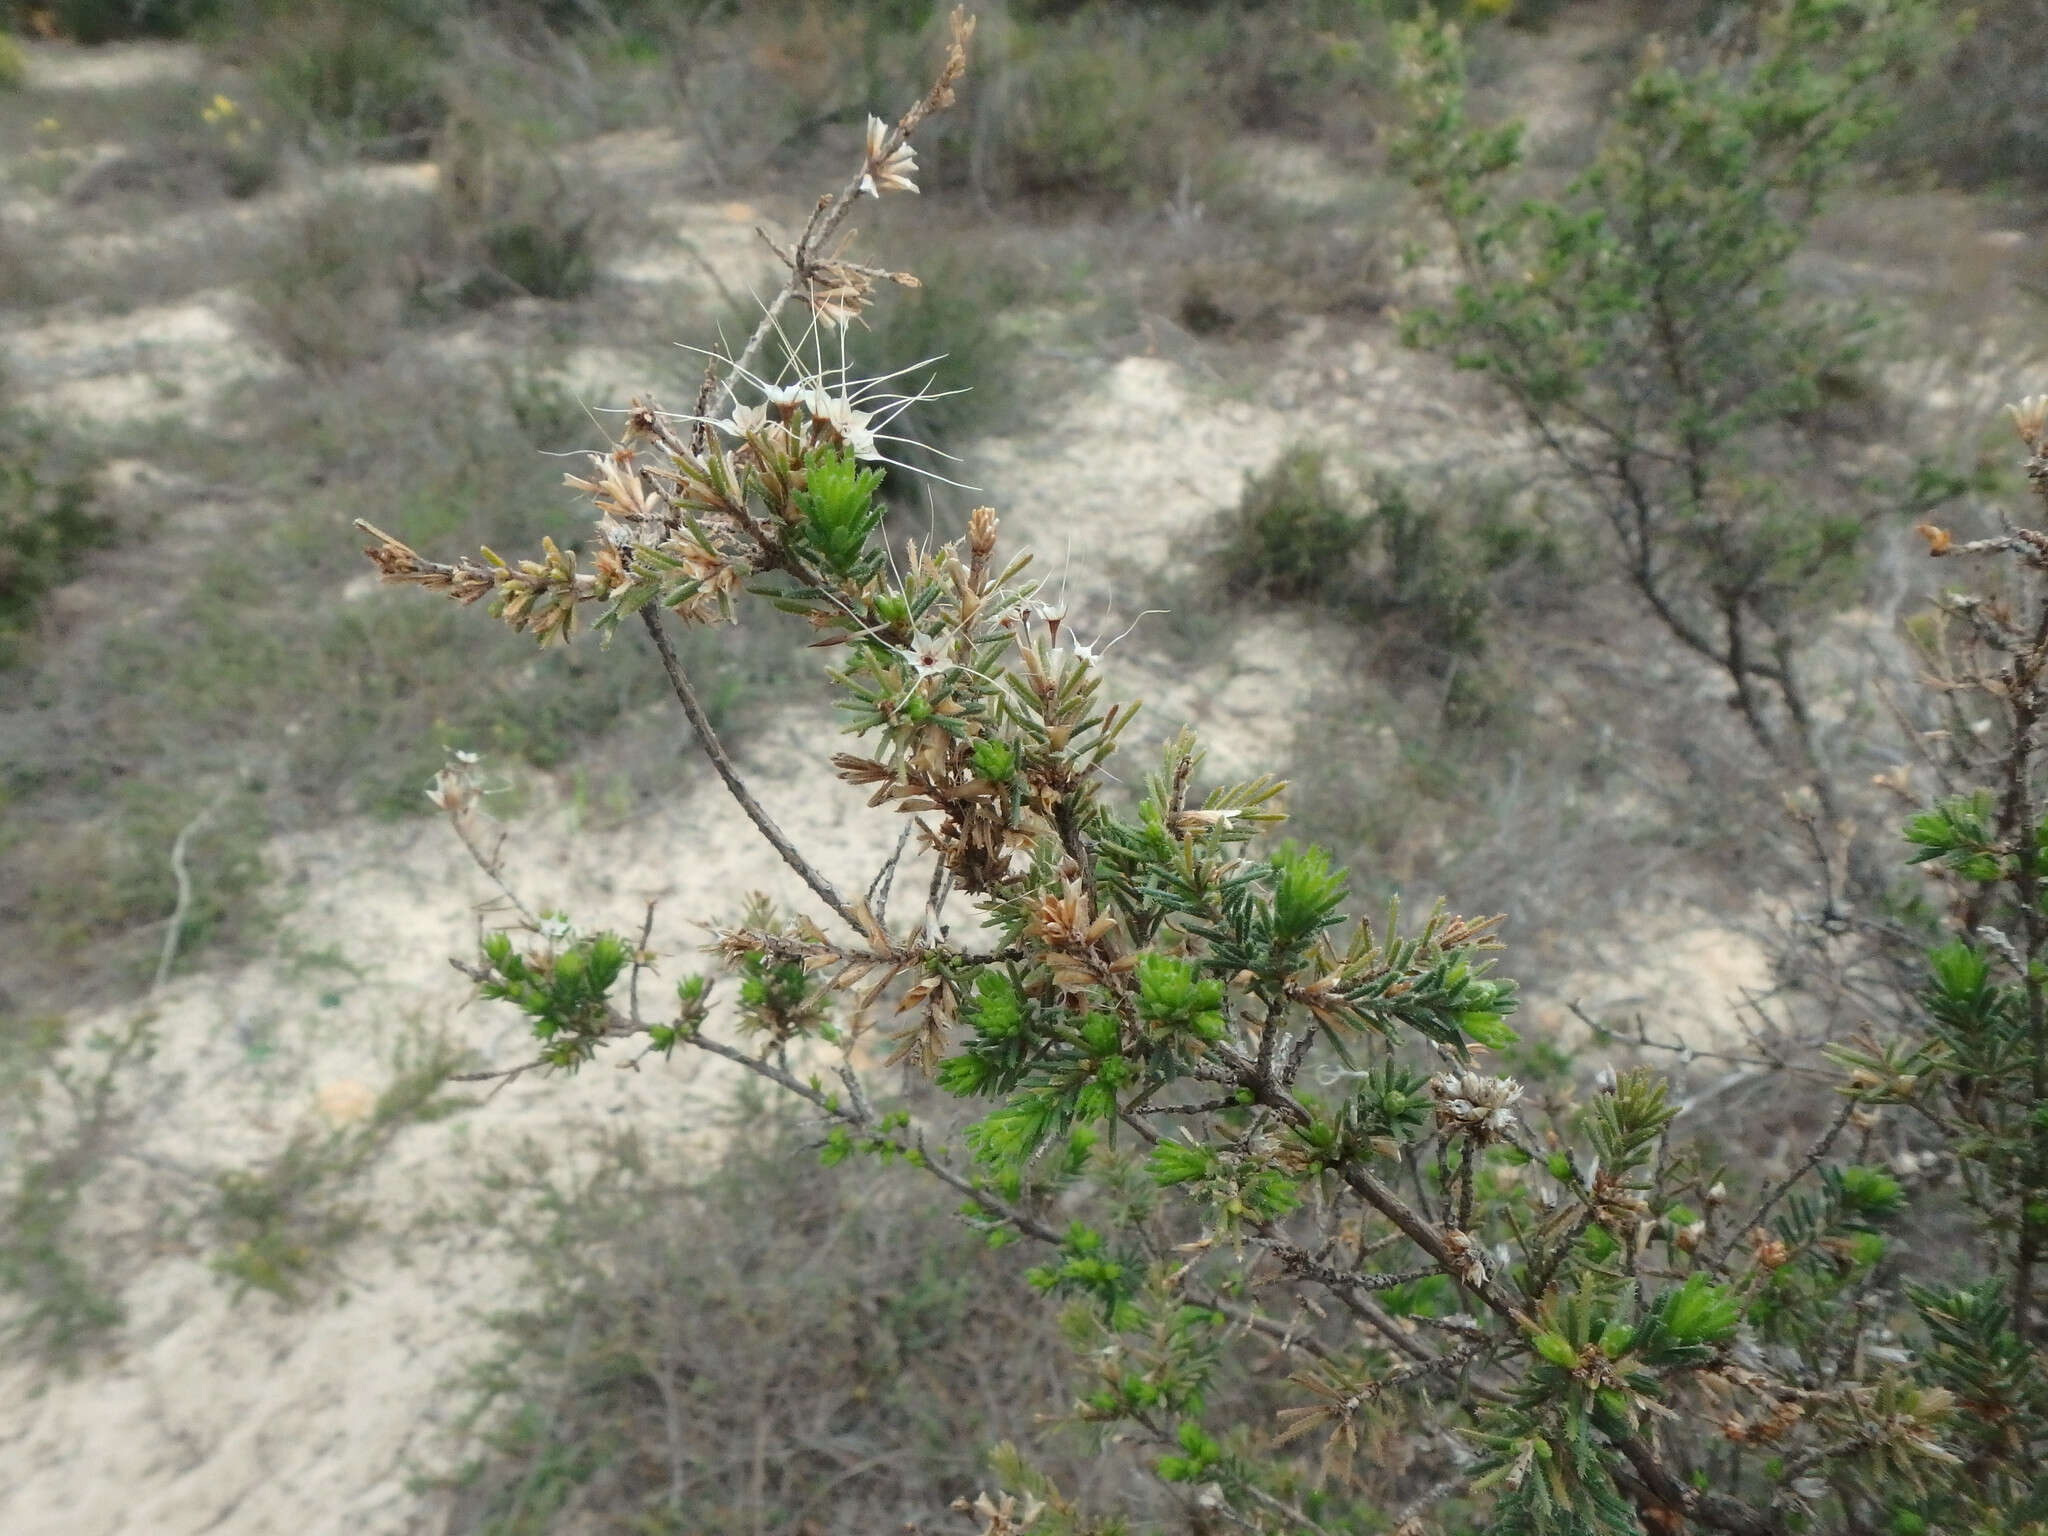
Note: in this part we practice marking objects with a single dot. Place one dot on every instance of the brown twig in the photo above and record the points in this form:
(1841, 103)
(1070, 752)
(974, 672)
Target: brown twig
(1783, 1187)
(707, 739)
(832, 209)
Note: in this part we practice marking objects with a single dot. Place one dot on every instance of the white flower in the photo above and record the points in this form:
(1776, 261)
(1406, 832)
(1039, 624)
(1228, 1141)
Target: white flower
(1474, 1103)
(744, 420)
(888, 172)
(1468, 1258)
(556, 928)
(1089, 652)
(928, 658)
(852, 427)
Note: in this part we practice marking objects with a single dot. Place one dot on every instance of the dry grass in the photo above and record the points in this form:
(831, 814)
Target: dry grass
(346, 703)
(753, 1345)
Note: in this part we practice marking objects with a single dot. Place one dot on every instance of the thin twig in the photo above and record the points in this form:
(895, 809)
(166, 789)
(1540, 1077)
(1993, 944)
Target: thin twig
(884, 883)
(503, 1077)
(708, 740)
(1677, 1047)
(857, 1115)
(169, 956)
(1783, 1187)
(640, 960)
(489, 863)
(832, 209)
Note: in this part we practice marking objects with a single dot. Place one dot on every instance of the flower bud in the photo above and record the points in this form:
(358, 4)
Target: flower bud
(981, 532)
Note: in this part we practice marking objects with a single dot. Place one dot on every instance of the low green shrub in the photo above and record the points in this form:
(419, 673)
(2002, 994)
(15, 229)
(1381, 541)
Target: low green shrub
(1435, 570)
(544, 409)
(278, 1225)
(543, 257)
(730, 1343)
(49, 518)
(1105, 106)
(508, 223)
(332, 290)
(243, 147)
(354, 76)
(1981, 120)
(1404, 561)
(60, 1113)
(1294, 535)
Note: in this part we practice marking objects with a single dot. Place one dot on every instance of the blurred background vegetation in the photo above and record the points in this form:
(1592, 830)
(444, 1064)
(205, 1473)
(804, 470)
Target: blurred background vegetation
(430, 222)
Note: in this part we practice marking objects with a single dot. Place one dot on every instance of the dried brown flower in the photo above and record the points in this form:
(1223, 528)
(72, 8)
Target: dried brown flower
(2030, 418)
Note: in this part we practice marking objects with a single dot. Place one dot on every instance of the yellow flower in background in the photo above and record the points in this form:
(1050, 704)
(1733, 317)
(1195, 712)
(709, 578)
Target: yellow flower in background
(48, 125)
(219, 110)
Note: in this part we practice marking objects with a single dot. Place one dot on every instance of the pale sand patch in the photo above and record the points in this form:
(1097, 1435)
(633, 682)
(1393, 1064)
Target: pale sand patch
(248, 1418)
(345, 1101)
(154, 360)
(1684, 972)
(1127, 469)
(178, 357)
(110, 66)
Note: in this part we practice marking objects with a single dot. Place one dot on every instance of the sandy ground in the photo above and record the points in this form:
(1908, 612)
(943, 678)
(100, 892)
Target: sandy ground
(249, 1418)
(246, 1417)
